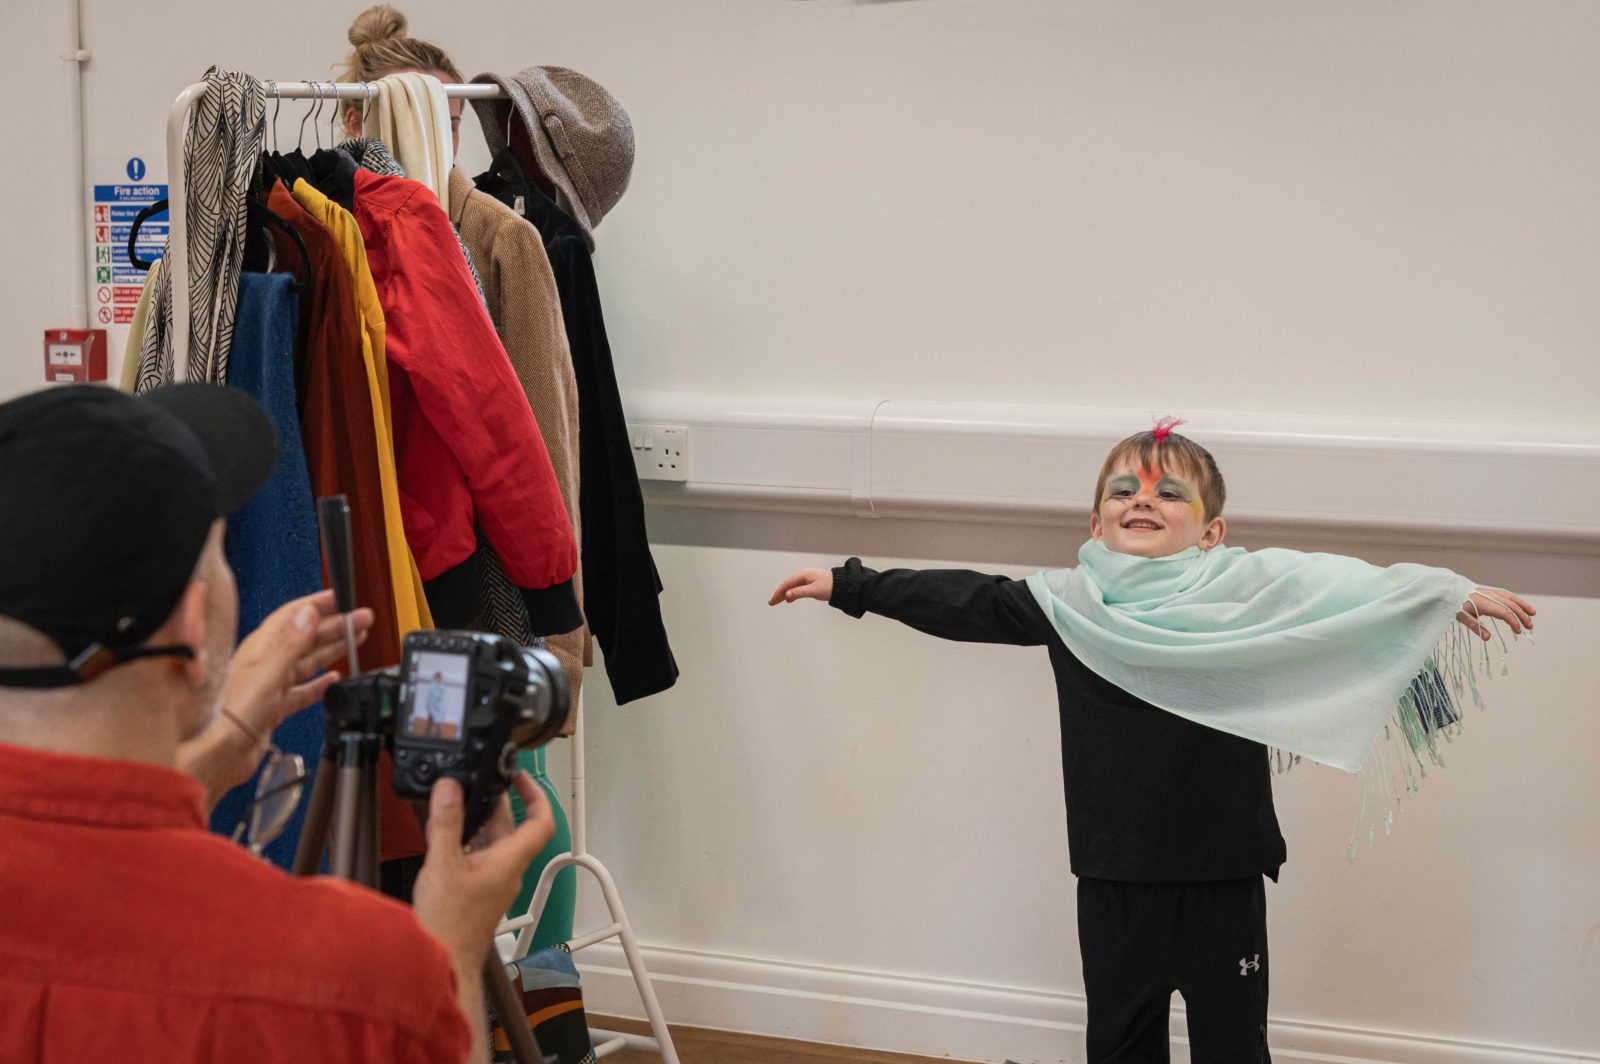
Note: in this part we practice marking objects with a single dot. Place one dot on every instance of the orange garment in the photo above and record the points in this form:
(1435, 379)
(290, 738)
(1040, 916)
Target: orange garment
(399, 834)
(336, 420)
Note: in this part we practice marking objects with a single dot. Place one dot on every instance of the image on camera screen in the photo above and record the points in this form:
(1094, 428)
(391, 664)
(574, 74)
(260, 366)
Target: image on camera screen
(438, 697)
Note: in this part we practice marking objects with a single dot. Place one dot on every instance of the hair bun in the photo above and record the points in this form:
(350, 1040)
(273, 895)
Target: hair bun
(375, 25)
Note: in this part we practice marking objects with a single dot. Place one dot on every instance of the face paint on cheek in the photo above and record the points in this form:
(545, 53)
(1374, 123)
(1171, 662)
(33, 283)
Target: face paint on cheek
(1198, 510)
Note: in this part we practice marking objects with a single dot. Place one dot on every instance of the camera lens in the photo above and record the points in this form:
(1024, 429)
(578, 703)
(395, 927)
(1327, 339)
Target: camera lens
(546, 698)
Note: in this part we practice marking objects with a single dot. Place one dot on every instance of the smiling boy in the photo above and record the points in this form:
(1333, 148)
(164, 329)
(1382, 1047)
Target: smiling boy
(1170, 821)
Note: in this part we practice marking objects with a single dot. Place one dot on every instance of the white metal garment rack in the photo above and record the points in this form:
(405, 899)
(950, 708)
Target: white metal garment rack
(177, 267)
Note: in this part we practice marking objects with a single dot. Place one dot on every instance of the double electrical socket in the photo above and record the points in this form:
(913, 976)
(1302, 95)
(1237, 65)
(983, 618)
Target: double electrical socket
(661, 452)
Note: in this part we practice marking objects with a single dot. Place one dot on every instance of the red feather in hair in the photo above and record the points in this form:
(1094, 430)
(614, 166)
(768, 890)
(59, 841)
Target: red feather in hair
(1164, 427)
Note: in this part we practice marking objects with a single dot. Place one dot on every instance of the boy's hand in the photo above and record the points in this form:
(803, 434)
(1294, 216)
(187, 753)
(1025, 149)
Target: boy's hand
(807, 583)
(1501, 605)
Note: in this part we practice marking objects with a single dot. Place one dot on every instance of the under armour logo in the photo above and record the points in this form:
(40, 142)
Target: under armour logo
(1247, 966)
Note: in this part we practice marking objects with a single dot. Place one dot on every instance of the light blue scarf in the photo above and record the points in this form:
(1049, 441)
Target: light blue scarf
(1316, 655)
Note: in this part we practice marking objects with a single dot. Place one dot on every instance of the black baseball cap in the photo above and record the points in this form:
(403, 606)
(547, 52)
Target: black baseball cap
(106, 500)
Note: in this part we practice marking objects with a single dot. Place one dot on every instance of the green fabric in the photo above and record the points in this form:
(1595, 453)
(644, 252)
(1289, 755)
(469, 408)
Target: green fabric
(1313, 654)
(555, 922)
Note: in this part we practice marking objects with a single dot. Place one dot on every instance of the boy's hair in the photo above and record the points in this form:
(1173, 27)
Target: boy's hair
(1169, 451)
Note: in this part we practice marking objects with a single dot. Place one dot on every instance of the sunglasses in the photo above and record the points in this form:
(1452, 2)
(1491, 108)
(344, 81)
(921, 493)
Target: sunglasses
(278, 786)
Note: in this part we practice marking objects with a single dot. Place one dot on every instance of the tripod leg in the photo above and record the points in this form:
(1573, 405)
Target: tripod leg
(507, 1004)
(346, 820)
(314, 833)
(367, 826)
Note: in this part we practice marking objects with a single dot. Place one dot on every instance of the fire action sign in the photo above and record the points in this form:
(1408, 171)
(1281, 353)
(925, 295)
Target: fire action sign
(117, 281)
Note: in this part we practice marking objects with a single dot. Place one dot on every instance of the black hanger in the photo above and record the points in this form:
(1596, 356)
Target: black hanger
(255, 210)
(158, 207)
(262, 214)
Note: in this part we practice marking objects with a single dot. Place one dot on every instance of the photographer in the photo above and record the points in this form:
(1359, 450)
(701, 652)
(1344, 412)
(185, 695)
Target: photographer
(131, 932)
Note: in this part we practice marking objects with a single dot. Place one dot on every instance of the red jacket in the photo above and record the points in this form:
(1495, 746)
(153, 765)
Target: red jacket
(132, 933)
(467, 448)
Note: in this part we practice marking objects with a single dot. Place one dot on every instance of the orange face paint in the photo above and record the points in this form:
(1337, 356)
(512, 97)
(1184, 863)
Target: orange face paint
(1152, 480)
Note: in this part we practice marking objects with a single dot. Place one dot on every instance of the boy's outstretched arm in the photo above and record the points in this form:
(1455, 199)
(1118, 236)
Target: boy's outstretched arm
(949, 603)
(1501, 605)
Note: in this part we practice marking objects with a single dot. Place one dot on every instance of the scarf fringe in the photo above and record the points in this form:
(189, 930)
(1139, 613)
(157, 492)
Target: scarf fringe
(1426, 712)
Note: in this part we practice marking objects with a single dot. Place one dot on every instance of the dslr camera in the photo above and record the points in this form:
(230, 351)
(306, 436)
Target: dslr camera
(460, 704)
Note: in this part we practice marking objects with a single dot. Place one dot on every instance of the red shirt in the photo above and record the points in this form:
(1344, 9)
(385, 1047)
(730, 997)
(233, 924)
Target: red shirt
(466, 444)
(131, 933)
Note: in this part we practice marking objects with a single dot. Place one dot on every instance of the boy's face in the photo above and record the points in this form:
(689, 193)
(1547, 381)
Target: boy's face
(1153, 513)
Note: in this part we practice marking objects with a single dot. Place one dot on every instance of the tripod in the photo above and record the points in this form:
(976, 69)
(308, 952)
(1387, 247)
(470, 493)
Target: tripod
(344, 797)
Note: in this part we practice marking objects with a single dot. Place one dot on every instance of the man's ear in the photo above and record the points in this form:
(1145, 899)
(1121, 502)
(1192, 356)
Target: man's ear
(1213, 533)
(1095, 531)
(187, 627)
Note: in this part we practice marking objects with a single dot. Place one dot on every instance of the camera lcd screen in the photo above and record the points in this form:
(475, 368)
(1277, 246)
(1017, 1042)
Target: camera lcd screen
(438, 697)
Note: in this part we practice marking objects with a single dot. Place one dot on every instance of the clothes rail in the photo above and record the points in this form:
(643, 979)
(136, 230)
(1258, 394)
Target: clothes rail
(177, 269)
(177, 264)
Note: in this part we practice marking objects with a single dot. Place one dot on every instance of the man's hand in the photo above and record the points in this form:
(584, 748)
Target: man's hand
(462, 892)
(1501, 605)
(807, 583)
(273, 673)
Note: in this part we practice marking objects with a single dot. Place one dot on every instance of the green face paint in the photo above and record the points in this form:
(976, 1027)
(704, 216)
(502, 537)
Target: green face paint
(1164, 487)
(1122, 483)
(1171, 487)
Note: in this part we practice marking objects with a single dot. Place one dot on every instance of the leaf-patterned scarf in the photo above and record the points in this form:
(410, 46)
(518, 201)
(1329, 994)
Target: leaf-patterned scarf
(219, 157)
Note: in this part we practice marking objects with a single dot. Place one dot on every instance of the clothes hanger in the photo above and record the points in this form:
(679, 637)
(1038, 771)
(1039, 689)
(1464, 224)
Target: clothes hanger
(276, 107)
(260, 213)
(300, 141)
(144, 215)
(265, 174)
(254, 209)
(509, 166)
(316, 123)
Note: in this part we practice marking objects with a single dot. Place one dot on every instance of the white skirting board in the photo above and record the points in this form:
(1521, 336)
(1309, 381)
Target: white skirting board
(963, 1021)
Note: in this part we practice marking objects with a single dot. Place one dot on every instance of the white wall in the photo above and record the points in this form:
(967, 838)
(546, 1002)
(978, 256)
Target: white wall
(1292, 207)
(36, 191)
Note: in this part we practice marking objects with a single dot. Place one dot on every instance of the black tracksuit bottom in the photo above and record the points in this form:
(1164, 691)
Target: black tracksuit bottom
(1207, 941)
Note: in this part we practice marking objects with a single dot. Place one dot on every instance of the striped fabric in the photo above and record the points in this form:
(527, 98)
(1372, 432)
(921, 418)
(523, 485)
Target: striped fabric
(219, 156)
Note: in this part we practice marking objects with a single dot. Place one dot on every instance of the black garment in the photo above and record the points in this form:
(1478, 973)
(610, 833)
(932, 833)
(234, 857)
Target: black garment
(457, 599)
(621, 588)
(1142, 941)
(1151, 797)
(333, 173)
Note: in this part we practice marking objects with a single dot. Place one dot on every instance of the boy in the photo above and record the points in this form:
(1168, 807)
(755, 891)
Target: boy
(1170, 821)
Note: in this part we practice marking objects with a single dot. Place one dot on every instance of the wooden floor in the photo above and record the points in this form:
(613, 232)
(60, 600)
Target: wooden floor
(696, 1046)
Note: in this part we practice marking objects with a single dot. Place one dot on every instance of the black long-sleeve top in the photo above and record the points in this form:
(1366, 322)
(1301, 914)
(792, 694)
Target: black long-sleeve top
(1151, 797)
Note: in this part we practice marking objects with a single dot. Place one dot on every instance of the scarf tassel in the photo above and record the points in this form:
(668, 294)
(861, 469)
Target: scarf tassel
(1426, 712)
